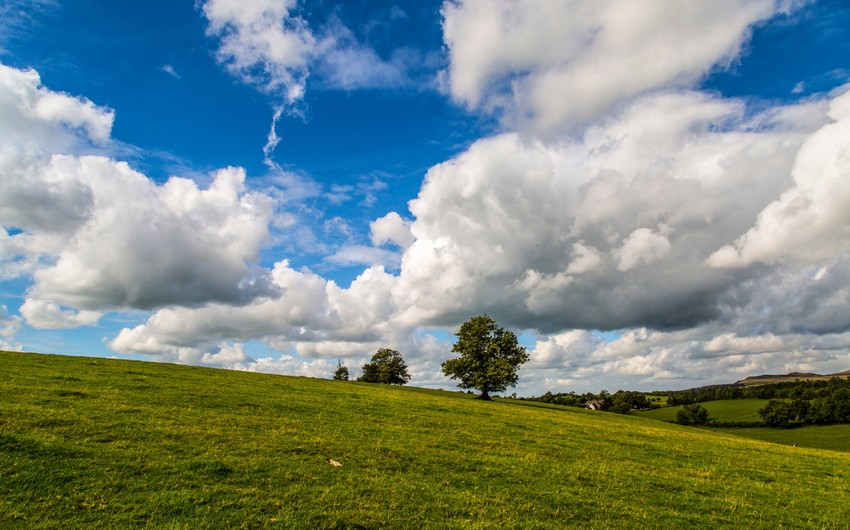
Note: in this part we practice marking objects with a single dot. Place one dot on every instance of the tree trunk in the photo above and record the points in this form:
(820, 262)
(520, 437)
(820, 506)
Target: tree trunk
(484, 395)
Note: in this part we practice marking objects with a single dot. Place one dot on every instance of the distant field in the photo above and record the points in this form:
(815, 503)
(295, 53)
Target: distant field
(832, 437)
(724, 410)
(100, 443)
(658, 400)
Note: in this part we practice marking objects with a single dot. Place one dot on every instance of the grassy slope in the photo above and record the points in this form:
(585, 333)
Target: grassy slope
(832, 437)
(103, 443)
(722, 410)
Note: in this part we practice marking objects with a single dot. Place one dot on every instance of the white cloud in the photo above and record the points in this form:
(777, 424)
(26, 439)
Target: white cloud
(9, 327)
(94, 234)
(169, 69)
(266, 43)
(560, 63)
(642, 247)
(34, 119)
(144, 245)
(364, 255)
(392, 229)
(46, 314)
(228, 354)
(810, 222)
(347, 64)
(263, 42)
(289, 365)
(586, 259)
(606, 231)
(306, 309)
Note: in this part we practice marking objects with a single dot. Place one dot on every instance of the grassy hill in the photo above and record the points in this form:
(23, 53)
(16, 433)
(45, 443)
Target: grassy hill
(721, 410)
(767, 379)
(98, 443)
(832, 437)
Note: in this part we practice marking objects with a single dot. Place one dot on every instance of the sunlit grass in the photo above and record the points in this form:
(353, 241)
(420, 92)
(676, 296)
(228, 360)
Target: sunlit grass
(97, 443)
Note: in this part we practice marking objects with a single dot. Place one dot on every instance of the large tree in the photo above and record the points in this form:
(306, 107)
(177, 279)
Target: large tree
(387, 366)
(489, 357)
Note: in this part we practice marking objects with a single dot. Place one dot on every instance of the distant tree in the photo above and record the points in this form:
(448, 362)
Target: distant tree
(387, 367)
(777, 413)
(341, 372)
(489, 357)
(624, 401)
(694, 414)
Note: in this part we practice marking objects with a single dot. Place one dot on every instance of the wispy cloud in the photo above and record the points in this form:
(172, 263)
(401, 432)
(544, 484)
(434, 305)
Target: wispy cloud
(169, 69)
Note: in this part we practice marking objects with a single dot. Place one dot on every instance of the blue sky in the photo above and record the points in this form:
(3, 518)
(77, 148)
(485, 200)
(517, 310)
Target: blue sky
(654, 197)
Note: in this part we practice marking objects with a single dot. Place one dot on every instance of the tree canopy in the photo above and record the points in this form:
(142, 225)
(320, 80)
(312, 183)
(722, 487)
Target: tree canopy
(694, 414)
(387, 367)
(489, 357)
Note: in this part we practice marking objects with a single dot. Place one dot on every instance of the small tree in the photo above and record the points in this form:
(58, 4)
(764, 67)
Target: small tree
(694, 414)
(387, 367)
(341, 372)
(489, 357)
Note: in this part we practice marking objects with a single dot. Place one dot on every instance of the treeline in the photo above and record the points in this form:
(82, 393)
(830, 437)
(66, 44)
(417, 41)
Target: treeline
(804, 390)
(622, 401)
(829, 406)
(792, 403)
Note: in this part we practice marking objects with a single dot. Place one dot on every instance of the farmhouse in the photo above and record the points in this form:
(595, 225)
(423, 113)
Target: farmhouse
(593, 404)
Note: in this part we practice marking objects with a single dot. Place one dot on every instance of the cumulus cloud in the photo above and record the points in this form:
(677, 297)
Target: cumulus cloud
(642, 247)
(9, 327)
(94, 234)
(34, 119)
(305, 309)
(143, 245)
(606, 231)
(228, 354)
(810, 222)
(45, 314)
(565, 62)
(392, 229)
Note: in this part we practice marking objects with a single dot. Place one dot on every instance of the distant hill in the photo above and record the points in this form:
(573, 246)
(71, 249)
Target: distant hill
(793, 376)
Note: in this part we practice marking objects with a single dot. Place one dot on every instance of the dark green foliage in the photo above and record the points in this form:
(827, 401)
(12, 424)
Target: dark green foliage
(386, 367)
(830, 408)
(782, 390)
(489, 357)
(694, 414)
(624, 401)
(341, 372)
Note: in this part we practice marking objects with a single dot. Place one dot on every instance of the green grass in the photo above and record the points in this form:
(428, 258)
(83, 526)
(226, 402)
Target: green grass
(723, 410)
(98, 443)
(832, 437)
(662, 400)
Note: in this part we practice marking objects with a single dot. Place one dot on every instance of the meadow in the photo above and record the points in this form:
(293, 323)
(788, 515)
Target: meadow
(832, 437)
(100, 443)
(721, 410)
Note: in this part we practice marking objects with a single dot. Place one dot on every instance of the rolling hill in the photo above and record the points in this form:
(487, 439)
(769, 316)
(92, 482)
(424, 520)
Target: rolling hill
(100, 443)
(793, 376)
